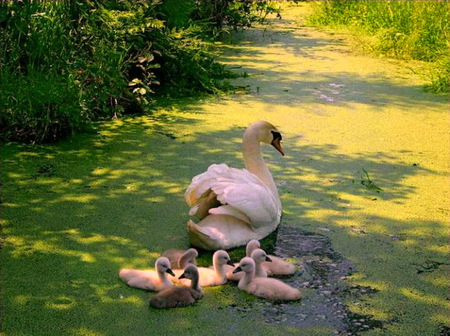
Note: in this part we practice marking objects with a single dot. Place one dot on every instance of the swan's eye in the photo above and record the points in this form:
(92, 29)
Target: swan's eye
(276, 135)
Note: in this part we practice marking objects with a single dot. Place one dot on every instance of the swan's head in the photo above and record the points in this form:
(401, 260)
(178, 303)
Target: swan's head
(163, 265)
(259, 256)
(221, 257)
(266, 132)
(190, 272)
(247, 265)
(251, 246)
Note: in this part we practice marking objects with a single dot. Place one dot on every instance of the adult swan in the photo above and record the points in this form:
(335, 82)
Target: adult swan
(233, 205)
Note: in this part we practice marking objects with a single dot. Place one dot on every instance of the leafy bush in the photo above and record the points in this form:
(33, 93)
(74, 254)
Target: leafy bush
(404, 29)
(235, 14)
(67, 63)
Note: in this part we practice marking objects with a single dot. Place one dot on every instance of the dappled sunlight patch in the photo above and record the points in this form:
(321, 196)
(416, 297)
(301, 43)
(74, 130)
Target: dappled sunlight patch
(421, 297)
(61, 303)
(168, 187)
(155, 199)
(84, 331)
(82, 198)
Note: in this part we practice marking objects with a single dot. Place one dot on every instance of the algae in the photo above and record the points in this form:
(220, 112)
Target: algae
(74, 213)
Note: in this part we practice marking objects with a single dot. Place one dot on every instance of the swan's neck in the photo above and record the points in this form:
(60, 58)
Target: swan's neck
(245, 281)
(195, 285)
(259, 270)
(221, 272)
(249, 249)
(183, 261)
(164, 279)
(254, 161)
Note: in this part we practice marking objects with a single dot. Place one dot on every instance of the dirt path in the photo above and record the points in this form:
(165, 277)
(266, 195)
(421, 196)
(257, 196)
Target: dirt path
(364, 188)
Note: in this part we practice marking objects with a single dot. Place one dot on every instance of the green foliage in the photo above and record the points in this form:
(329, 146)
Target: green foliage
(67, 63)
(403, 29)
(235, 14)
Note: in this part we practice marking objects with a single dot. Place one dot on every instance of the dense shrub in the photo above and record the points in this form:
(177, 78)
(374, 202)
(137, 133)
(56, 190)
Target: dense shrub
(232, 14)
(404, 29)
(66, 63)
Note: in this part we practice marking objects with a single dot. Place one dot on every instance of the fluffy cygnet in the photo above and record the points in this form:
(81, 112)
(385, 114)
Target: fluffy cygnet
(154, 280)
(212, 276)
(278, 266)
(180, 258)
(259, 257)
(180, 296)
(267, 288)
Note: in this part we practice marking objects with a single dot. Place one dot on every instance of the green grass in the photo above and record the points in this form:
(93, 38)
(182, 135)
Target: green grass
(416, 30)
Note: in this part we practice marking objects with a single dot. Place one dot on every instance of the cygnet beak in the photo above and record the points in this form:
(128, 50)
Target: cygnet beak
(237, 269)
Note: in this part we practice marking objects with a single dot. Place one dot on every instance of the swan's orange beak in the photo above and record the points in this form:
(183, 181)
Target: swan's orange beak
(277, 144)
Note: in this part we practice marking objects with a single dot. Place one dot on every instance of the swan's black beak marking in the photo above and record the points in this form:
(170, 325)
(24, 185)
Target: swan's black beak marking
(237, 269)
(276, 142)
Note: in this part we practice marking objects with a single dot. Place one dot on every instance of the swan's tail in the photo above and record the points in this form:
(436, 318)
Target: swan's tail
(220, 232)
(202, 237)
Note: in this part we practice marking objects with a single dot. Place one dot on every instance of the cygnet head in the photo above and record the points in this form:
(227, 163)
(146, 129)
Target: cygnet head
(163, 265)
(260, 256)
(247, 265)
(188, 257)
(192, 254)
(251, 246)
(266, 132)
(221, 257)
(190, 272)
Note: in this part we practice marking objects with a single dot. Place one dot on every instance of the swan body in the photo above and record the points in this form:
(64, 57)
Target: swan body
(180, 258)
(236, 205)
(153, 280)
(277, 266)
(180, 296)
(259, 257)
(212, 276)
(267, 288)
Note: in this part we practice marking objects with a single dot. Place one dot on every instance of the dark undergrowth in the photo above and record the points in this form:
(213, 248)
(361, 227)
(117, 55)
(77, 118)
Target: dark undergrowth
(65, 64)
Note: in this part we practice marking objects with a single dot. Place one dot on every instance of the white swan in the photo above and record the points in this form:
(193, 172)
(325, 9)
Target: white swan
(153, 280)
(277, 266)
(236, 205)
(180, 296)
(267, 288)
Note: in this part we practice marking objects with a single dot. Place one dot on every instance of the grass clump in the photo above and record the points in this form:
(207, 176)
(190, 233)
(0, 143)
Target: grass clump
(418, 30)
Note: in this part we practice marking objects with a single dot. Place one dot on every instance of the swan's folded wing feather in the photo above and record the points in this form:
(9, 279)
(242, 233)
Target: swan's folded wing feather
(237, 188)
(201, 183)
(254, 200)
(231, 211)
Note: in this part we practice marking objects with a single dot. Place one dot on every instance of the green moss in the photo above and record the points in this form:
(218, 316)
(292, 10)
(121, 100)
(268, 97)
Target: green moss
(76, 212)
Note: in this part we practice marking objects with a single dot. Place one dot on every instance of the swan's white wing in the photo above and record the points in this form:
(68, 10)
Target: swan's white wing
(255, 200)
(242, 191)
(201, 183)
(231, 211)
